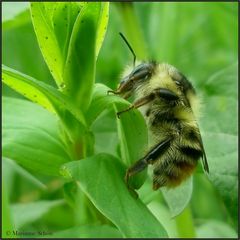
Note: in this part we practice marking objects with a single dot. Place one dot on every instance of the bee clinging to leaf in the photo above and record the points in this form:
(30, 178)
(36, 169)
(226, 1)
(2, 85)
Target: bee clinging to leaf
(169, 104)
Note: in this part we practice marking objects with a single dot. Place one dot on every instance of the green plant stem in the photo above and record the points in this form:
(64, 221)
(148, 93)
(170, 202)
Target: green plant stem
(133, 30)
(184, 223)
(82, 147)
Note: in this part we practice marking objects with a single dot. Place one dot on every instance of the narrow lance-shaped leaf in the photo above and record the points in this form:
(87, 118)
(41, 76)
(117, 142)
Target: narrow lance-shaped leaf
(130, 215)
(47, 40)
(102, 26)
(79, 71)
(63, 18)
(53, 24)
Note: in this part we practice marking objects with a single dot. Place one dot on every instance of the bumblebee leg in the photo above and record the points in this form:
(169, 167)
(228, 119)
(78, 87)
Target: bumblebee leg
(138, 103)
(161, 92)
(149, 158)
(113, 91)
(139, 166)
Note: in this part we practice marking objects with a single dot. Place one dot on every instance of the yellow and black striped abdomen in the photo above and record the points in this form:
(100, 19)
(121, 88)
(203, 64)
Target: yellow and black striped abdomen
(179, 160)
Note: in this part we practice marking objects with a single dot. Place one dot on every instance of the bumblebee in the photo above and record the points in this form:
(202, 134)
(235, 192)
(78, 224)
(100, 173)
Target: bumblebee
(170, 106)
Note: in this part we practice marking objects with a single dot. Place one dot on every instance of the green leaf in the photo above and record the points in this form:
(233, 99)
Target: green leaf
(163, 215)
(68, 35)
(47, 40)
(133, 135)
(220, 136)
(24, 213)
(62, 17)
(88, 231)
(223, 82)
(131, 126)
(27, 138)
(102, 26)
(99, 177)
(79, 70)
(45, 95)
(9, 163)
(222, 154)
(215, 229)
(178, 198)
(220, 101)
(101, 101)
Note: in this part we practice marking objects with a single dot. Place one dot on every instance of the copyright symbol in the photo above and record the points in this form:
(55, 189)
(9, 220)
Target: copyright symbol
(8, 233)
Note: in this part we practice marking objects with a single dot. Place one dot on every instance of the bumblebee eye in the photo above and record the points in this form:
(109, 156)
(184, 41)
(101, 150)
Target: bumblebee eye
(141, 72)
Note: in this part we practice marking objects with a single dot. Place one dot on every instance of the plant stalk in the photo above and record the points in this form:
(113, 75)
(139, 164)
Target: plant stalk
(184, 223)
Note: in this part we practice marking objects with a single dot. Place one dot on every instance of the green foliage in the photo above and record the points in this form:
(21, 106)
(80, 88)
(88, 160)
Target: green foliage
(24, 213)
(89, 231)
(178, 199)
(30, 131)
(65, 152)
(121, 208)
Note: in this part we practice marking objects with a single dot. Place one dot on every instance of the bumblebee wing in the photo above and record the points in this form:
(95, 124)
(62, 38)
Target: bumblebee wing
(204, 157)
(204, 160)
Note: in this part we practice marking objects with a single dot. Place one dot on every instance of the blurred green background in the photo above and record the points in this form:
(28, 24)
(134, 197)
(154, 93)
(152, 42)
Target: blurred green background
(200, 39)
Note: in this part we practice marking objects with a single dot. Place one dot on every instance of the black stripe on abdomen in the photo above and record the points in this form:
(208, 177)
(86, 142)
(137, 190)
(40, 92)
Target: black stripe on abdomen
(191, 152)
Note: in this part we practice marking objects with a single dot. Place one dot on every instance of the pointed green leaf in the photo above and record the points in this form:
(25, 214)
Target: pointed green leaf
(48, 43)
(113, 199)
(79, 71)
(45, 95)
(102, 26)
(68, 35)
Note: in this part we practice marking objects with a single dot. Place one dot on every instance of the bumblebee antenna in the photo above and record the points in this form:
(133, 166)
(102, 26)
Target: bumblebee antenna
(130, 48)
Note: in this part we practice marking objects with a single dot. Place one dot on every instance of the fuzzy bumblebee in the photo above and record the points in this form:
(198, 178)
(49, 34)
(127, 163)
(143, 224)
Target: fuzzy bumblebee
(169, 104)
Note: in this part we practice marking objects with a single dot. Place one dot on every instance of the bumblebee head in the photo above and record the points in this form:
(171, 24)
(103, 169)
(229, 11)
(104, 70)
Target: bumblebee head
(139, 75)
(168, 77)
